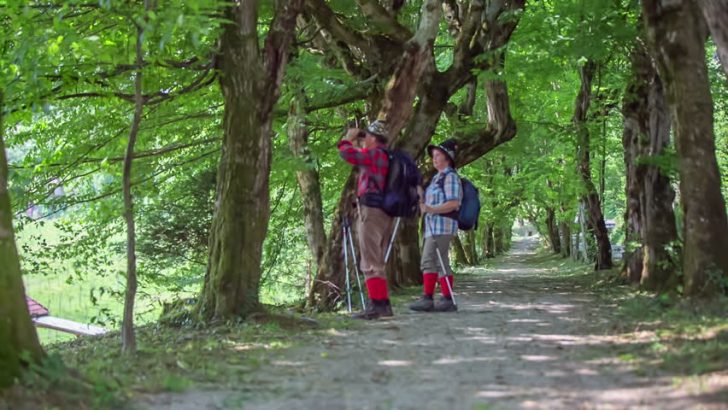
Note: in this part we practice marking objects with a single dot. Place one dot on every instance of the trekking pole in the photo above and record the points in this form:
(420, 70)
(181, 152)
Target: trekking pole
(391, 241)
(442, 265)
(444, 270)
(346, 267)
(347, 224)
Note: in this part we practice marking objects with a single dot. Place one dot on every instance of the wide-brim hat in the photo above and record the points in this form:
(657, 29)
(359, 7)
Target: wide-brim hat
(447, 147)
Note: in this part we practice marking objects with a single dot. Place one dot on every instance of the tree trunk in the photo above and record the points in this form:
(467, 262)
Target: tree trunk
(553, 231)
(128, 338)
(461, 259)
(308, 180)
(400, 91)
(594, 208)
(489, 240)
(677, 34)
(716, 15)
(498, 240)
(634, 111)
(17, 334)
(250, 82)
(470, 252)
(649, 216)
(565, 238)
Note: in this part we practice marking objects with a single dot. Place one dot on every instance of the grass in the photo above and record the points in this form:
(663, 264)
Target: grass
(685, 337)
(168, 359)
(655, 333)
(69, 289)
(73, 289)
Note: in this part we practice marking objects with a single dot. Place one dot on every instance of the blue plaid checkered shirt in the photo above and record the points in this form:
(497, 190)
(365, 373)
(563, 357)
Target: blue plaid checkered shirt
(436, 224)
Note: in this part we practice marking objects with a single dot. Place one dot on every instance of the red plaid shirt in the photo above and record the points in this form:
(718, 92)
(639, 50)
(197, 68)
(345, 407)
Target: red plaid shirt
(373, 166)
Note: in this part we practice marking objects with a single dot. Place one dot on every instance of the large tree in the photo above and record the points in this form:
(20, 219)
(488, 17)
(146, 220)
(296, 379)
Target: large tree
(250, 79)
(18, 339)
(677, 34)
(595, 217)
(649, 218)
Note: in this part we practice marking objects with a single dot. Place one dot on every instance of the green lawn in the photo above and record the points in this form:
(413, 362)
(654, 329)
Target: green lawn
(67, 290)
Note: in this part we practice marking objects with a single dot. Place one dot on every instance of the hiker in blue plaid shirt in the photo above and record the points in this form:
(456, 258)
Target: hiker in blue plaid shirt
(442, 201)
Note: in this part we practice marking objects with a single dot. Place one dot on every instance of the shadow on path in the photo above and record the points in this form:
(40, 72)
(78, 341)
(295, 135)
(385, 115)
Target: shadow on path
(525, 337)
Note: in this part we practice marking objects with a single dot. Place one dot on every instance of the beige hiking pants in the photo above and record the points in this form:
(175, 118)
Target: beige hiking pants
(374, 231)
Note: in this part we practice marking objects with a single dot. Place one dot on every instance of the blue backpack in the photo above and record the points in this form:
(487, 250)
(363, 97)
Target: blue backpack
(400, 197)
(467, 216)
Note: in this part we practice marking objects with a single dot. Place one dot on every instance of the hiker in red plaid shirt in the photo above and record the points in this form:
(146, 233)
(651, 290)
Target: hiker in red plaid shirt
(374, 225)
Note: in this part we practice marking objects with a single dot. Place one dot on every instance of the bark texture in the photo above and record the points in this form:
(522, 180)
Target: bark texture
(250, 80)
(17, 334)
(565, 232)
(552, 227)
(594, 208)
(470, 249)
(649, 217)
(461, 258)
(677, 35)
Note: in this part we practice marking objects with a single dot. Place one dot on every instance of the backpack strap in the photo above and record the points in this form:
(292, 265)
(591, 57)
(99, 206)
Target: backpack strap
(441, 183)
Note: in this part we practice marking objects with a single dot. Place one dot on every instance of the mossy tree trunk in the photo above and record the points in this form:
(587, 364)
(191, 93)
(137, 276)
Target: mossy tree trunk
(18, 338)
(677, 34)
(250, 80)
(649, 217)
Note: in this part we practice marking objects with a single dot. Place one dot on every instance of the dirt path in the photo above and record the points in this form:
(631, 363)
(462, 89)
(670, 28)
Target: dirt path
(523, 338)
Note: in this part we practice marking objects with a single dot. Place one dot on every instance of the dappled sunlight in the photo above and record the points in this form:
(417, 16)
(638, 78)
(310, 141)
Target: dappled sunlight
(523, 320)
(288, 363)
(395, 363)
(453, 360)
(538, 358)
(546, 307)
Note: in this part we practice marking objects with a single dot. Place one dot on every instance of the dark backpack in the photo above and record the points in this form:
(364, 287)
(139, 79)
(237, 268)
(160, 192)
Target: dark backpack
(400, 197)
(467, 215)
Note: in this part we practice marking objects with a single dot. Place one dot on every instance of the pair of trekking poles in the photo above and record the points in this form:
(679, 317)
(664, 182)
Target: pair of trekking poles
(349, 248)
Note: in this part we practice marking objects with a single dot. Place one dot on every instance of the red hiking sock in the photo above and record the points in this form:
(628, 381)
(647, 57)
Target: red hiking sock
(377, 288)
(429, 280)
(443, 285)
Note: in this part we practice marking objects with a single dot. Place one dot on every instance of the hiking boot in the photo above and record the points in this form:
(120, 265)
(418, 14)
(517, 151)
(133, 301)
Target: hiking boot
(423, 304)
(374, 310)
(445, 304)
